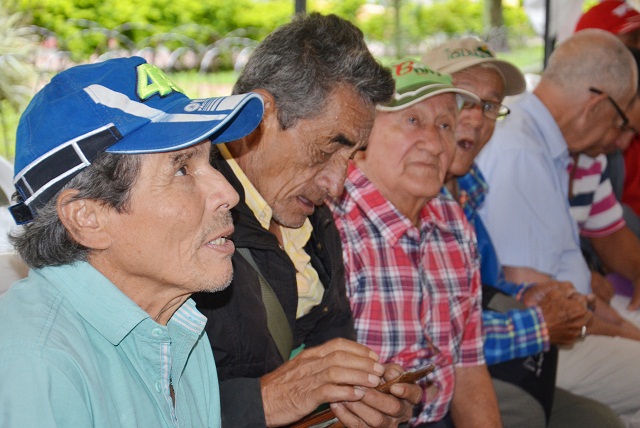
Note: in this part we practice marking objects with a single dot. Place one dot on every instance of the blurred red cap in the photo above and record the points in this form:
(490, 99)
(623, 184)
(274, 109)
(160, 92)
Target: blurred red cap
(614, 16)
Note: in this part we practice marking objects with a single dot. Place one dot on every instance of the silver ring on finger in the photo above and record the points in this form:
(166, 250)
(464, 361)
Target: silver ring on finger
(583, 332)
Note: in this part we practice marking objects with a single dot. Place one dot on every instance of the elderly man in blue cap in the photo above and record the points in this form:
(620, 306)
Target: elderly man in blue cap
(124, 219)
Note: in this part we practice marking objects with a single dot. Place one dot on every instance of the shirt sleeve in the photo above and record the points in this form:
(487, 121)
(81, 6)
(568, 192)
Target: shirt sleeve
(517, 208)
(605, 215)
(514, 334)
(38, 393)
(490, 269)
(527, 212)
(241, 403)
(471, 348)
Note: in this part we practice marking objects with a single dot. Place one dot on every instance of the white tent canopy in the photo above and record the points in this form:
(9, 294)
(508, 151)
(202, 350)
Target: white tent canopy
(563, 16)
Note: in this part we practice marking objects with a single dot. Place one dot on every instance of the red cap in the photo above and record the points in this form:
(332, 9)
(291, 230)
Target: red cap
(614, 16)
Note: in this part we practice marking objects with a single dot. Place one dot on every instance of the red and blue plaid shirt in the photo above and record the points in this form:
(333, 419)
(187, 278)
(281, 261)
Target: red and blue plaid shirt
(412, 288)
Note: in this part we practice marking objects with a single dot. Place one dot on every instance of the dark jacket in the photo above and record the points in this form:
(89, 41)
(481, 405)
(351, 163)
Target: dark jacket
(237, 325)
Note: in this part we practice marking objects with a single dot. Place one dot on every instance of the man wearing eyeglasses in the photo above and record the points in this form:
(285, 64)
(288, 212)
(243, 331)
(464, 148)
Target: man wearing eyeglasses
(529, 165)
(616, 249)
(519, 331)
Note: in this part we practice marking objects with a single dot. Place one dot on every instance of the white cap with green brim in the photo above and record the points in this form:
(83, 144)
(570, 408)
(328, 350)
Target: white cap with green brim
(457, 54)
(415, 82)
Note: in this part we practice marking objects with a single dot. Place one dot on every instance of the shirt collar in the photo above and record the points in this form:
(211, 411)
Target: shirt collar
(256, 203)
(107, 309)
(472, 189)
(391, 224)
(547, 127)
(97, 300)
(298, 237)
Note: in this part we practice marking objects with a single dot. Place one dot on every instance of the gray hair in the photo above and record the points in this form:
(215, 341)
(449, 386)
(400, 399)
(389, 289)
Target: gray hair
(301, 62)
(592, 58)
(45, 241)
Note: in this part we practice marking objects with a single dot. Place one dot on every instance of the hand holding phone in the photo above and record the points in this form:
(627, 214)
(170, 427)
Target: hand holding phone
(409, 376)
(326, 418)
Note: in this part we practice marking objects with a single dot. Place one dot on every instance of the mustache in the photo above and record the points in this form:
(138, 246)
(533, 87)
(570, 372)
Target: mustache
(221, 222)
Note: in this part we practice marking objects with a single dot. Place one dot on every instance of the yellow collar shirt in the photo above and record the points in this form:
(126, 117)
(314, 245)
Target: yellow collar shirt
(310, 289)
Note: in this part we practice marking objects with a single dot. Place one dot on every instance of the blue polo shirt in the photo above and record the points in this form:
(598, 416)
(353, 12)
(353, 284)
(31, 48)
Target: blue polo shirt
(76, 352)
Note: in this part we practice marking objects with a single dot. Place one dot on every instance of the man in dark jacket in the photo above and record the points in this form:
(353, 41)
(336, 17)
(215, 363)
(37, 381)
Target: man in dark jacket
(320, 86)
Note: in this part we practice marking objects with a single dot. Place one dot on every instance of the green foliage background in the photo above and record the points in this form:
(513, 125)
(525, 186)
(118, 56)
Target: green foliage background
(207, 21)
(451, 17)
(85, 28)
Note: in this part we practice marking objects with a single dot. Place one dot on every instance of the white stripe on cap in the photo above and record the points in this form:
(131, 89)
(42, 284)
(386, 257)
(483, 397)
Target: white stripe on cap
(74, 143)
(430, 88)
(113, 99)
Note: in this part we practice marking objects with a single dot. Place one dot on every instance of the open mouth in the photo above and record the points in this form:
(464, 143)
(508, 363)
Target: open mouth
(220, 241)
(306, 202)
(465, 145)
(223, 241)
(309, 205)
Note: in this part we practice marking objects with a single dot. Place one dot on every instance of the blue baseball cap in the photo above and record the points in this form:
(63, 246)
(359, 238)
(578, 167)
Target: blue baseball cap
(124, 106)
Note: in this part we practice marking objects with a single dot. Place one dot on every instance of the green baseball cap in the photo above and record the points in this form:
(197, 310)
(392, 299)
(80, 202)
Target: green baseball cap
(416, 82)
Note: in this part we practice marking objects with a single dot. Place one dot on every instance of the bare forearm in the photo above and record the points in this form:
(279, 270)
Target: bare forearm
(607, 322)
(519, 275)
(620, 252)
(606, 328)
(474, 403)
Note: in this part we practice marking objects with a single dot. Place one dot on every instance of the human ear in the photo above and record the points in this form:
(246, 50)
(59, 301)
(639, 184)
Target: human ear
(589, 114)
(85, 220)
(595, 103)
(267, 98)
(270, 116)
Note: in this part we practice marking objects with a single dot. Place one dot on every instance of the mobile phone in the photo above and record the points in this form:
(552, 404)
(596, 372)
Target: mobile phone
(326, 417)
(408, 376)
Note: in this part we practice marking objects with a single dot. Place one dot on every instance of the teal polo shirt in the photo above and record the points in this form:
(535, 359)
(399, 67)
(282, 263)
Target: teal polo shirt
(76, 352)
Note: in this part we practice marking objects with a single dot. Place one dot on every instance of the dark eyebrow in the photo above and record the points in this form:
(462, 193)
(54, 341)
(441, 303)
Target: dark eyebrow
(183, 156)
(343, 140)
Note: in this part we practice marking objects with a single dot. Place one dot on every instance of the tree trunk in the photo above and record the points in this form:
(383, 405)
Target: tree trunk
(494, 29)
(301, 7)
(397, 36)
(493, 14)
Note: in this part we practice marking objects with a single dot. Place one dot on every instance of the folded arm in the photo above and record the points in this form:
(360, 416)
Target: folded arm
(620, 252)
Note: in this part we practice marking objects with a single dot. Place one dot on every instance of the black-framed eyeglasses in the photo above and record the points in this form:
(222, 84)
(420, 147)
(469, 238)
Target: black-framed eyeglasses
(491, 109)
(624, 126)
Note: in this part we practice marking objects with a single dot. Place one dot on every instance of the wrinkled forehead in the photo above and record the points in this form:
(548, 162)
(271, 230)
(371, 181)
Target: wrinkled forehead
(482, 79)
(444, 103)
(348, 116)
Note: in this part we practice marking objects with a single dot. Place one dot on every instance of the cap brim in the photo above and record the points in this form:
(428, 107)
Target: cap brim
(515, 82)
(629, 26)
(189, 122)
(466, 95)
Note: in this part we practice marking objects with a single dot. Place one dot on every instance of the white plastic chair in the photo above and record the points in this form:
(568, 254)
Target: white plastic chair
(12, 268)
(7, 189)
(6, 180)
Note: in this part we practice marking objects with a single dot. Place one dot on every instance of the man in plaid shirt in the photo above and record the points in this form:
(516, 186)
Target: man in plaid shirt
(410, 256)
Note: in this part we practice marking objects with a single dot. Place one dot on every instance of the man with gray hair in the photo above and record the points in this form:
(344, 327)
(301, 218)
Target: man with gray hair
(320, 85)
(124, 219)
(519, 340)
(530, 166)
